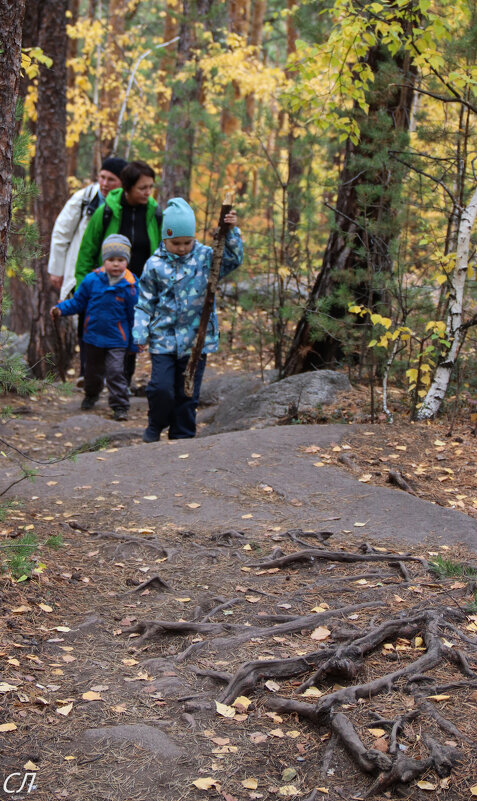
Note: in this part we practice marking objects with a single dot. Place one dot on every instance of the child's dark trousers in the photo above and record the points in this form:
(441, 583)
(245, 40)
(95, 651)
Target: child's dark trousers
(106, 363)
(169, 406)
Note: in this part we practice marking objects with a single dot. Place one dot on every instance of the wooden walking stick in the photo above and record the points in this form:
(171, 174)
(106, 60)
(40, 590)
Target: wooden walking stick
(219, 245)
(61, 352)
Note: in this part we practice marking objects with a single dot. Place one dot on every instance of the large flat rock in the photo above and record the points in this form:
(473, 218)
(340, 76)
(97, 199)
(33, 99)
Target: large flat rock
(227, 474)
(147, 737)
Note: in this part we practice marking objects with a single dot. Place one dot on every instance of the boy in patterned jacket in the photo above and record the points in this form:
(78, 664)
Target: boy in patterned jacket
(172, 290)
(107, 297)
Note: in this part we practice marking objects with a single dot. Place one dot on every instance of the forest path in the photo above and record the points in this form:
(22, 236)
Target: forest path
(113, 712)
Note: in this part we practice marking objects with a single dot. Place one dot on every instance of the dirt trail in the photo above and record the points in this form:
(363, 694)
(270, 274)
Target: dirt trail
(108, 706)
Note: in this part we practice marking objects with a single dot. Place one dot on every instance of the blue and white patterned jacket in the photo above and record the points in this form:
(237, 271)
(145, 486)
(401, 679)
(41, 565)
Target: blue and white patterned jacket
(171, 296)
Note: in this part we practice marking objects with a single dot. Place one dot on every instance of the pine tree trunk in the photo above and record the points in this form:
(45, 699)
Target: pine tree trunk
(255, 39)
(351, 250)
(72, 52)
(50, 174)
(111, 97)
(19, 315)
(180, 137)
(11, 19)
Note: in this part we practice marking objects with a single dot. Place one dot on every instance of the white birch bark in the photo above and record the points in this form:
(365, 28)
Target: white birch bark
(454, 332)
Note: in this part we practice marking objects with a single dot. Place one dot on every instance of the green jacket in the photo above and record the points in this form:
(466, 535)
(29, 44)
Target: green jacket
(89, 255)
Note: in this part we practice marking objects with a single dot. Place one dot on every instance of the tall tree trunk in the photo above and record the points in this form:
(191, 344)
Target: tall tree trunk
(50, 172)
(72, 52)
(11, 19)
(359, 243)
(255, 39)
(20, 293)
(183, 109)
(111, 98)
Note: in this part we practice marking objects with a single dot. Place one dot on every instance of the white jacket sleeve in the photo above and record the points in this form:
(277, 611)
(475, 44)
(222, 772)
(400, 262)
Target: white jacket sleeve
(66, 237)
(64, 230)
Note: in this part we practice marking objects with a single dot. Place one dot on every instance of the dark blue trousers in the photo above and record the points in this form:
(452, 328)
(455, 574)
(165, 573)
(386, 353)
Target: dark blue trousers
(169, 406)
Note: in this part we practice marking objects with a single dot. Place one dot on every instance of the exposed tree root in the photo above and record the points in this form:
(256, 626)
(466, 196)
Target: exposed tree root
(315, 554)
(157, 628)
(392, 768)
(126, 539)
(341, 658)
(443, 723)
(299, 537)
(395, 477)
(369, 760)
(153, 583)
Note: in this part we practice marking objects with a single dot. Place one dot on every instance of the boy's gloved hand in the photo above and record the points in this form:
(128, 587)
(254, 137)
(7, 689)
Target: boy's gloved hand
(55, 312)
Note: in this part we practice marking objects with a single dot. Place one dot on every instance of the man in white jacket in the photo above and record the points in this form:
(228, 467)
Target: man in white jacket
(71, 223)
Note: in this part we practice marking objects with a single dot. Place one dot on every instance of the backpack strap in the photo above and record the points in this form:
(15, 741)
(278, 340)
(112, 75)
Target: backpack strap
(107, 217)
(90, 202)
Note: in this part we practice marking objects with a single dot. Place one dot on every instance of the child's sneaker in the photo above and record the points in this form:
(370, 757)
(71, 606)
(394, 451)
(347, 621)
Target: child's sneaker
(120, 414)
(88, 402)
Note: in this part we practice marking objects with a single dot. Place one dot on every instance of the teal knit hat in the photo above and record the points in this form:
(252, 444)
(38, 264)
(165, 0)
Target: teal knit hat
(178, 219)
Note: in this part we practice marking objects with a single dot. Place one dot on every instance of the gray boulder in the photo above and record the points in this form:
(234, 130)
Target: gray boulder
(241, 409)
(11, 343)
(147, 737)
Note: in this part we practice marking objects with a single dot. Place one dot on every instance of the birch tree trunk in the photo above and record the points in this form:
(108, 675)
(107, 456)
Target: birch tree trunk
(454, 329)
(11, 18)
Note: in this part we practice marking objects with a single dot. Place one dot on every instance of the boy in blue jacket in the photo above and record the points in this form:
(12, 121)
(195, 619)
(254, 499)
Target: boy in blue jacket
(107, 296)
(172, 290)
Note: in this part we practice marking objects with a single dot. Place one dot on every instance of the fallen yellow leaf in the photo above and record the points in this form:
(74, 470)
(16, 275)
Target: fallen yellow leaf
(8, 727)
(312, 692)
(45, 607)
(320, 633)
(64, 710)
(6, 688)
(224, 710)
(242, 701)
(423, 785)
(30, 765)
(250, 784)
(206, 783)
(193, 505)
(91, 696)
(438, 697)
(377, 732)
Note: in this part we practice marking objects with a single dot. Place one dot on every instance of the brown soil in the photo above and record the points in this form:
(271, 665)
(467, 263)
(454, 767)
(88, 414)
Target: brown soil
(70, 630)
